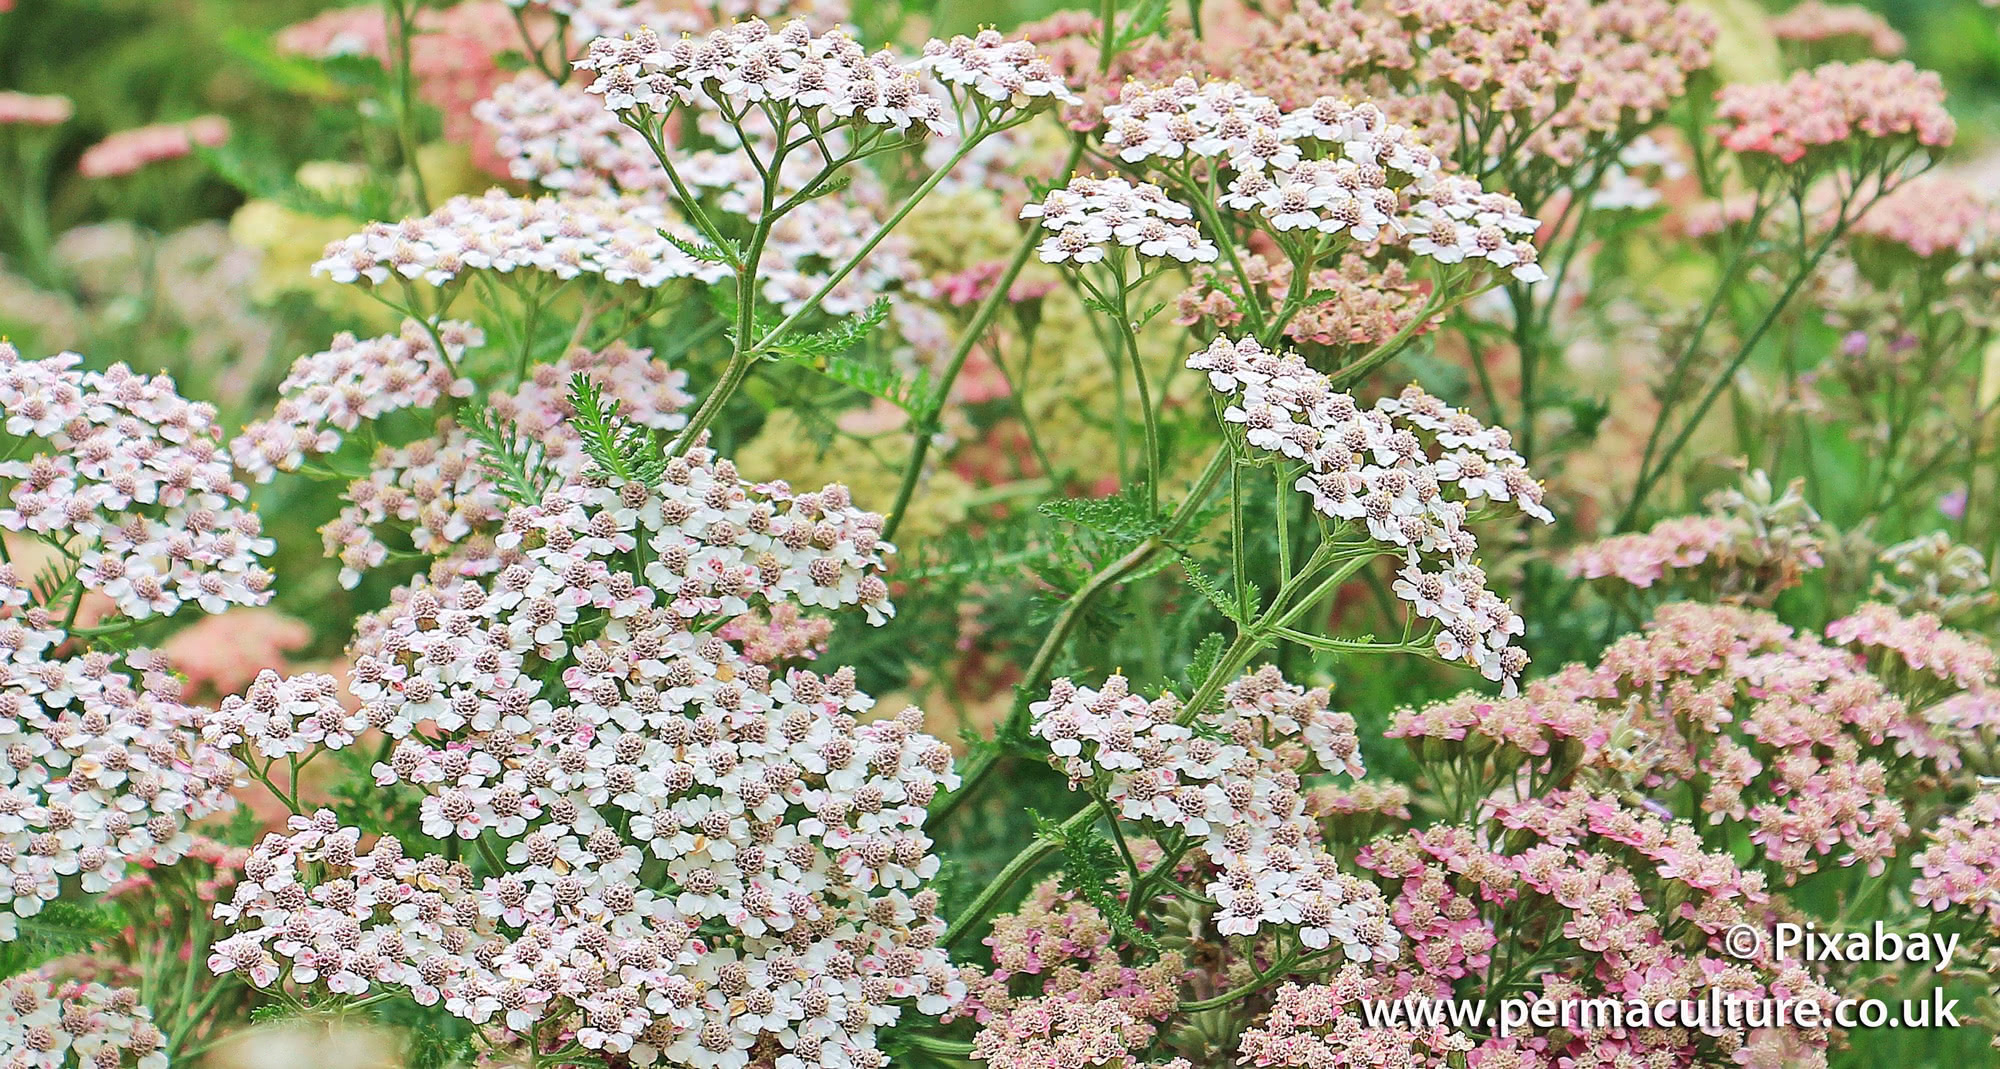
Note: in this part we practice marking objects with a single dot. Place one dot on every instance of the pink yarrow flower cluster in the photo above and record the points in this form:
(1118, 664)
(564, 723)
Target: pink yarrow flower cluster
(130, 151)
(27, 109)
(134, 484)
(1621, 888)
(1935, 216)
(1227, 787)
(50, 1023)
(561, 137)
(707, 861)
(1778, 730)
(1082, 1005)
(1813, 22)
(1959, 868)
(1410, 470)
(1919, 643)
(1833, 104)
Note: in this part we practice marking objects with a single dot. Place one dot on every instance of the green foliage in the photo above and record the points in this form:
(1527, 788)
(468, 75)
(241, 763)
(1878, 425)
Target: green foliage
(1092, 868)
(1207, 658)
(515, 464)
(619, 449)
(1210, 588)
(62, 927)
(703, 251)
(1123, 517)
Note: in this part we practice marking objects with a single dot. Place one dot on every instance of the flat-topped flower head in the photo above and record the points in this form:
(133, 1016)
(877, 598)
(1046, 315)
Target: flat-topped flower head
(133, 481)
(27, 109)
(1832, 105)
(1230, 780)
(1814, 22)
(828, 77)
(129, 151)
(1091, 217)
(1012, 72)
(704, 853)
(617, 240)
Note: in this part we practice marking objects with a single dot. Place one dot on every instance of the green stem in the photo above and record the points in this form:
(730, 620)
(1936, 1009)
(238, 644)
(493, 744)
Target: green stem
(926, 426)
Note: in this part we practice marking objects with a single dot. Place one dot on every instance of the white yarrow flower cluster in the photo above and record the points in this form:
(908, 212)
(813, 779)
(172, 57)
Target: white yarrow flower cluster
(351, 382)
(438, 488)
(1409, 470)
(1331, 167)
(1009, 72)
(282, 716)
(49, 1023)
(618, 240)
(1091, 216)
(134, 485)
(828, 78)
(100, 772)
(706, 861)
(1222, 781)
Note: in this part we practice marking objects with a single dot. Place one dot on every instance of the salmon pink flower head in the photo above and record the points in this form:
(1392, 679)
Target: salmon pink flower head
(26, 109)
(1813, 22)
(1833, 104)
(129, 151)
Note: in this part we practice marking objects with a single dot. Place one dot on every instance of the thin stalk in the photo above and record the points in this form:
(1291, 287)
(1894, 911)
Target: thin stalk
(982, 317)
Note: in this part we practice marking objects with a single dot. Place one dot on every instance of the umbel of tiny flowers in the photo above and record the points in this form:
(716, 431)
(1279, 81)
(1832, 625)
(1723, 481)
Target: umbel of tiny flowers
(1316, 179)
(1408, 472)
(1227, 781)
(130, 483)
(1093, 218)
(103, 770)
(674, 852)
(51, 1023)
(535, 245)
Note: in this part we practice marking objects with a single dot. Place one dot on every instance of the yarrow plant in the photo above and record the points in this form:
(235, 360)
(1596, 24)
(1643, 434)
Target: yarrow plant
(1155, 538)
